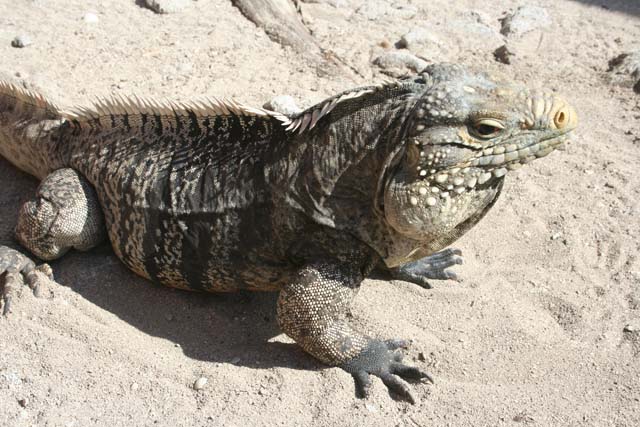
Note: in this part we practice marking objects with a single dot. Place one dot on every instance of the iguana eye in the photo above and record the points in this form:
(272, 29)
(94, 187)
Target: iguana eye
(486, 128)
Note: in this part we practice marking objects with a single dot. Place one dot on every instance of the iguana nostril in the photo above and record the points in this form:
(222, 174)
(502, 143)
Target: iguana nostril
(565, 118)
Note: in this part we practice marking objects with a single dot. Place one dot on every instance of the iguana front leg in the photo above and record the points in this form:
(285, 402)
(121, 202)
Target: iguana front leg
(434, 266)
(64, 214)
(313, 310)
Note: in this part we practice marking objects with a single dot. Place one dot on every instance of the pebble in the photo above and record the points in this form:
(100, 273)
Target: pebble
(371, 407)
(525, 19)
(235, 360)
(503, 54)
(633, 326)
(556, 236)
(23, 402)
(135, 387)
(90, 18)
(416, 37)
(400, 59)
(283, 104)
(21, 41)
(625, 68)
(200, 383)
(165, 6)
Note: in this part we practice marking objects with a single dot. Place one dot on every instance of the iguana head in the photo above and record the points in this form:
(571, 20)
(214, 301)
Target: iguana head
(464, 133)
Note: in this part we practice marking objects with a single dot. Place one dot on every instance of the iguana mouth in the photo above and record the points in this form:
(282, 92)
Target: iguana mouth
(499, 159)
(490, 164)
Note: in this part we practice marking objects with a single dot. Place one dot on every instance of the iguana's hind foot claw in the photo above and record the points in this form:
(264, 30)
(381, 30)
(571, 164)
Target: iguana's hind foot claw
(16, 271)
(380, 359)
(434, 266)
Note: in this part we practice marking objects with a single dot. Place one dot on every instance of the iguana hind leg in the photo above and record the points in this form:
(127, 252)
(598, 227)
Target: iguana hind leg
(64, 214)
(314, 310)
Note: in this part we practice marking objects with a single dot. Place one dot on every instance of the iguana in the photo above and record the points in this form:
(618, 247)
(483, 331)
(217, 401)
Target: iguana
(216, 196)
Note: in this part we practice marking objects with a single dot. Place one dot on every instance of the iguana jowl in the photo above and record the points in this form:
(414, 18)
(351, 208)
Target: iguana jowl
(215, 196)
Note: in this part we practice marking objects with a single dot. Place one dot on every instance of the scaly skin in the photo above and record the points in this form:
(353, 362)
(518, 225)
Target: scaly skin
(221, 197)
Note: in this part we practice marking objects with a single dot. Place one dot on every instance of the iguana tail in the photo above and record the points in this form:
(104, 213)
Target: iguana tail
(26, 123)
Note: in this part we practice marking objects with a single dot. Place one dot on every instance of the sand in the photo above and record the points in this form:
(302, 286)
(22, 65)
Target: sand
(535, 333)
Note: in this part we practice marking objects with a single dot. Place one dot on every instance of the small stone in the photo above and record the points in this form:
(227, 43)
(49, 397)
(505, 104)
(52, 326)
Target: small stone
(165, 6)
(23, 402)
(90, 18)
(283, 104)
(417, 37)
(396, 60)
(556, 236)
(525, 19)
(503, 54)
(421, 357)
(200, 383)
(21, 41)
(135, 387)
(633, 326)
(624, 69)
(235, 360)
(371, 407)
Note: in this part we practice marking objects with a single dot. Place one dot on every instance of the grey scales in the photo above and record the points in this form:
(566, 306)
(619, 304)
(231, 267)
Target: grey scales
(215, 196)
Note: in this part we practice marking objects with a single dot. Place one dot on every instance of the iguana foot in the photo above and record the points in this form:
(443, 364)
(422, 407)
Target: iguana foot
(430, 267)
(16, 270)
(379, 358)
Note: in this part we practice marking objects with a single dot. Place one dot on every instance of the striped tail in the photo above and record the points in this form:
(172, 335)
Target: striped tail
(26, 119)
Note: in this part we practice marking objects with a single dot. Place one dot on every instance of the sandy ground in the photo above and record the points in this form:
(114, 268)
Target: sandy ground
(534, 335)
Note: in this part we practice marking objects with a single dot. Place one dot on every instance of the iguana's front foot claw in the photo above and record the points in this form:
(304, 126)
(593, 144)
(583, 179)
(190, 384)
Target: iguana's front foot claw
(379, 358)
(16, 270)
(430, 267)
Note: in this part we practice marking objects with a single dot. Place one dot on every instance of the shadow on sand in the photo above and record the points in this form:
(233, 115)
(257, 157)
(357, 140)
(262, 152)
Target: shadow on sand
(232, 328)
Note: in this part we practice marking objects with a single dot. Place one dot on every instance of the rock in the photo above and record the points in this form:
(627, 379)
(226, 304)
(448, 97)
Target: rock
(21, 41)
(165, 6)
(525, 19)
(503, 54)
(633, 326)
(23, 402)
(371, 407)
(624, 69)
(90, 18)
(397, 61)
(417, 37)
(626, 64)
(200, 383)
(283, 104)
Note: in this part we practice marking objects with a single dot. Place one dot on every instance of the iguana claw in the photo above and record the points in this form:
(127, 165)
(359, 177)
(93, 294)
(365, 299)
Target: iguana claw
(16, 270)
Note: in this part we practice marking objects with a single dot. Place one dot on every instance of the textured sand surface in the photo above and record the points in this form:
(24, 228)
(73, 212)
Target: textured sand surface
(534, 335)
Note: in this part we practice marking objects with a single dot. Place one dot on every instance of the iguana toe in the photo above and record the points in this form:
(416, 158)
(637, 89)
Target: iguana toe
(17, 270)
(430, 267)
